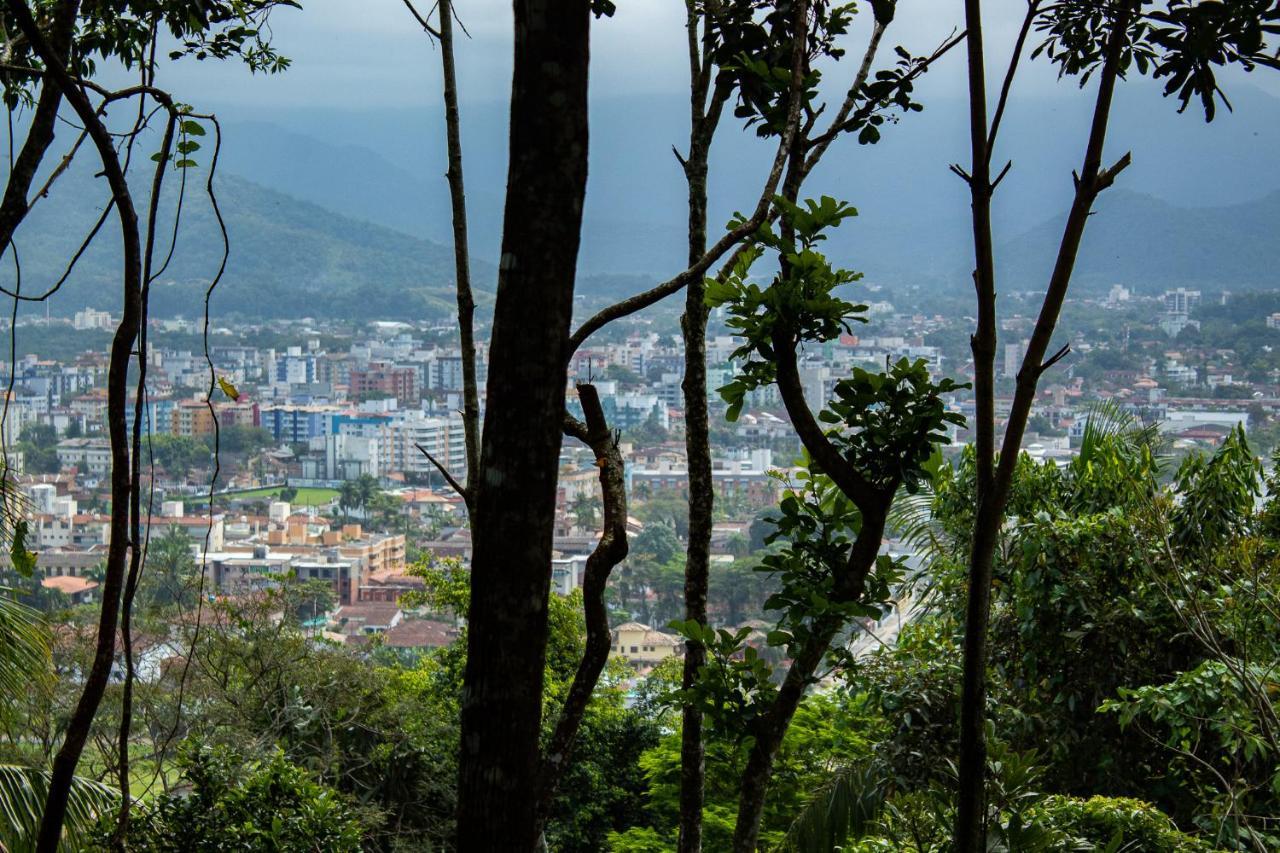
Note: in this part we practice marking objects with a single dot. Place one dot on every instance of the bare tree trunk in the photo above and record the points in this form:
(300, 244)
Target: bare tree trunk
(64, 763)
(16, 201)
(994, 482)
(971, 795)
(703, 121)
(515, 485)
(608, 553)
(461, 256)
(137, 552)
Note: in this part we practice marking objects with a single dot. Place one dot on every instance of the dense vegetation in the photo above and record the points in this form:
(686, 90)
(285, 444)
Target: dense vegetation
(1133, 658)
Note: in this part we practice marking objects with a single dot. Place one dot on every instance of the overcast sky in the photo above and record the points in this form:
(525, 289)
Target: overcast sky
(370, 53)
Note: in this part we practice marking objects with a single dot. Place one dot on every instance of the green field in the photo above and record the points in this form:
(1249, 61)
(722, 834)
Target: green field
(305, 496)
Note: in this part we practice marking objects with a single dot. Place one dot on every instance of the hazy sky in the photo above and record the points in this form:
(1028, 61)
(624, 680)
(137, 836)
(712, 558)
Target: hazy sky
(370, 53)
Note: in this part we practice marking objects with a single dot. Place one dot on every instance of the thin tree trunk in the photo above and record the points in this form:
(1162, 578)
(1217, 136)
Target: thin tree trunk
(65, 762)
(608, 553)
(994, 483)
(516, 482)
(461, 256)
(16, 201)
(703, 120)
(136, 555)
(772, 729)
(971, 795)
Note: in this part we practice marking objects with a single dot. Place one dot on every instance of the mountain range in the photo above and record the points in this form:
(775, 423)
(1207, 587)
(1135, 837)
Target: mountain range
(346, 214)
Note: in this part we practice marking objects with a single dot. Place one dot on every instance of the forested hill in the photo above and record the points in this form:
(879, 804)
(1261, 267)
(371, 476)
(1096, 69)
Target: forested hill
(293, 258)
(1149, 244)
(288, 257)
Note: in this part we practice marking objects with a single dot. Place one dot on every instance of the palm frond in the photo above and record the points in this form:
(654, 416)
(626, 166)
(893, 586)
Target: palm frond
(23, 791)
(845, 808)
(1107, 421)
(911, 520)
(1104, 420)
(24, 647)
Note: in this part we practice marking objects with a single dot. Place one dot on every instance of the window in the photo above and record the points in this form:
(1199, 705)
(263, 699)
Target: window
(634, 650)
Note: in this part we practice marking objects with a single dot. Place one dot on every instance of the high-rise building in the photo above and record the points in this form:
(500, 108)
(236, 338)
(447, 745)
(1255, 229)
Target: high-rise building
(1013, 355)
(1181, 301)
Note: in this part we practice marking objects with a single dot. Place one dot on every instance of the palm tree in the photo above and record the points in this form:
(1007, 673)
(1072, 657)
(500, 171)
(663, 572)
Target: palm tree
(171, 567)
(584, 510)
(348, 498)
(22, 794)
(25, 658)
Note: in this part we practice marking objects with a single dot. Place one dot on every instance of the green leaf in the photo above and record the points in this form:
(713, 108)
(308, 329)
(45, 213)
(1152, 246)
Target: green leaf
(24, 561)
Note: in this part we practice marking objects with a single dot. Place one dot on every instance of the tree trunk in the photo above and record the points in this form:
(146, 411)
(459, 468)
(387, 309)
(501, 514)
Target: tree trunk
(516, 483)
(608, 553)
(773, 726)
(15, 204)
(697, 438)
(971, 795)
(461, 255)
(68, 756)
(994, 482)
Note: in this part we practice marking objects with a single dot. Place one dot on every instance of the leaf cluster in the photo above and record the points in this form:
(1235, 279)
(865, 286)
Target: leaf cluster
(1184, 42)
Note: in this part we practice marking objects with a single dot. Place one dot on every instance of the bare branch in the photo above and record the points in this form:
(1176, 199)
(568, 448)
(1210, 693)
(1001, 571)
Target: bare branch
(850, 98)
(426, 26)
(1000, 177)
(444, 472)
(724, 244)
(608, 553)
(1054, 359)
(868, 108)
(1033, 7)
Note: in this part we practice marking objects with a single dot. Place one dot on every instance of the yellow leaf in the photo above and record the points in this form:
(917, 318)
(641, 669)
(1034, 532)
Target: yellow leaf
(228, 388)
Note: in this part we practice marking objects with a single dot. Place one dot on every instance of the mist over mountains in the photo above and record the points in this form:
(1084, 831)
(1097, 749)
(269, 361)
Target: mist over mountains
(347, 213)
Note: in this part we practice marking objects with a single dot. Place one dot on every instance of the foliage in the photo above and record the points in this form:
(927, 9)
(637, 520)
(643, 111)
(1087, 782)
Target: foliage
(239, 804)
(799, 303)
(829, 731)
(22, 796)
(24, 647)
(1098, 821)
(1179, 41)
(122, 30)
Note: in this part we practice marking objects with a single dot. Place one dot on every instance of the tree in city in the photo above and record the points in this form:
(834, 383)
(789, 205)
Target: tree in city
(1180, 42)
(52, 57)
(583, 510)
(170, 581)
(882, 432)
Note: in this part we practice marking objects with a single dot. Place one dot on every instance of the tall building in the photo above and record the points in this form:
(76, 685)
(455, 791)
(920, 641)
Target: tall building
(1181, 301)
(1013, 355)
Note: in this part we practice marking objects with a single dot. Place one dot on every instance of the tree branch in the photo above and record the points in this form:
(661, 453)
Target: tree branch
(608, 553)
(444, 472)
(724, 244)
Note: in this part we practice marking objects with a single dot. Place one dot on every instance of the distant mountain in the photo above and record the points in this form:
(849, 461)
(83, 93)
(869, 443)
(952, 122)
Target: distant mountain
(388, 166)
(1148, 244)
(288, 257)
(335, 215)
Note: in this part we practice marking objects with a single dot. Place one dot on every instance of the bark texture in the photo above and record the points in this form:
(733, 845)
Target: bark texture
(68, 756)
(995, 479)
(516, 482)
(608, 553)
(704, 118)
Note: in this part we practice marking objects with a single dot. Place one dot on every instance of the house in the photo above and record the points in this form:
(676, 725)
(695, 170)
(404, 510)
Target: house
(79, 590)
(368, 617)
(642, 645)
(418, 635)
